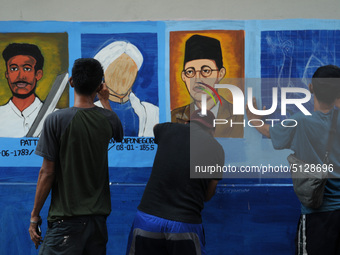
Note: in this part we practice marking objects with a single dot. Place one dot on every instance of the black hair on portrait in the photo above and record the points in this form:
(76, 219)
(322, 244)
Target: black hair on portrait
(15, 49)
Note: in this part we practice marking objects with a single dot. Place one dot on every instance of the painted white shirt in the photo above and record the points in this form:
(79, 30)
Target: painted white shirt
(15, 123)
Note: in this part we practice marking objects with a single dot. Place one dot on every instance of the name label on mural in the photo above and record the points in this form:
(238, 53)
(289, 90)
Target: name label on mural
(133, 143)
(26, 147)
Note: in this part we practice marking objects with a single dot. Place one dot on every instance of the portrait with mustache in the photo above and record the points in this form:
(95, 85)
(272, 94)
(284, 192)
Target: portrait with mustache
(24, 68)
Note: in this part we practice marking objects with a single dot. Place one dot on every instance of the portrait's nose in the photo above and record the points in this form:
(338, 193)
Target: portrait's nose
(21, 75)
(199, 75)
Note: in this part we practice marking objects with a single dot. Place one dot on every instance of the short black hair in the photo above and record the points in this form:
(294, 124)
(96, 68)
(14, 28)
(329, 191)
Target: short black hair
(87, 75)
(15, 49)
(326, 83)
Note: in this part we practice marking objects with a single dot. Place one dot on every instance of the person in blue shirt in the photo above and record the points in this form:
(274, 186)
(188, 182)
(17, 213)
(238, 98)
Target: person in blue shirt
(318, 229)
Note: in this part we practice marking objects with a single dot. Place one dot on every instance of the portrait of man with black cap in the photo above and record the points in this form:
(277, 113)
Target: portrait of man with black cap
(202, 69)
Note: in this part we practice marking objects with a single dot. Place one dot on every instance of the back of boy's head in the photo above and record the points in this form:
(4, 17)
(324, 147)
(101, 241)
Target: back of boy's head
(326, 83)
(87, 75)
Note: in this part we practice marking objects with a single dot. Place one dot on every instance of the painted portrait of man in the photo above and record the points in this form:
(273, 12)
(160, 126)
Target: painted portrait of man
(204, 66)
(24, 69)
(121, 62)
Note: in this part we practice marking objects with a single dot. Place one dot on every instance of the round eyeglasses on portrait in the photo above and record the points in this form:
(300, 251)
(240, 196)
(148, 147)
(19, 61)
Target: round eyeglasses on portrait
(205, 71)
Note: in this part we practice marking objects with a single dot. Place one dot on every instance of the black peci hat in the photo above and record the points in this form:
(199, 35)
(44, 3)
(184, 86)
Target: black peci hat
(203, 47)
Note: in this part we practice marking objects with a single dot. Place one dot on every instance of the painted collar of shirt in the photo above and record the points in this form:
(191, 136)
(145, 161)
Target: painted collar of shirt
(214, 110)
(29, 110)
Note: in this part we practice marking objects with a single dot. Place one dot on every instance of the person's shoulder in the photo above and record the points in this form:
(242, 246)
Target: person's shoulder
(109, 115)
(304, 119)
(181, 109)
(199, 137)
(7, 104)
(170, 127)
(37, 100)
(149, 106)
(63, 111)
(300, 115)
(180, 114)
(104, 111)
(172, 124)
(4, 106)
(61, 114)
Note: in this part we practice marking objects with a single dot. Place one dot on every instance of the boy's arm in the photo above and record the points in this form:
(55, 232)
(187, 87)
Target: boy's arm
(44, 186)
(210, 190)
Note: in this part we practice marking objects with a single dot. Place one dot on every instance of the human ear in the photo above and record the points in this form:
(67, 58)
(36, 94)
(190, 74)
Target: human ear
(39, 75)
(71, 82)
(184, 77)
(221, 73)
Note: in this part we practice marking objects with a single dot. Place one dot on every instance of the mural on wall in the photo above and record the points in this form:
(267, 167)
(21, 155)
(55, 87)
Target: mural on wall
(33, 81)
(144, 64)
(198, 61)
(290, 58)
(131, 75)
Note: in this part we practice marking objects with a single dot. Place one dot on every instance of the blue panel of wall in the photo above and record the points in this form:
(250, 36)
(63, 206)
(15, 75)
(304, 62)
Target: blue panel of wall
(240, 218)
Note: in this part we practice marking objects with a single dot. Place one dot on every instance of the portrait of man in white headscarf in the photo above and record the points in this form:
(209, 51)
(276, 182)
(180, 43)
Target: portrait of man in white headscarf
(122, 61)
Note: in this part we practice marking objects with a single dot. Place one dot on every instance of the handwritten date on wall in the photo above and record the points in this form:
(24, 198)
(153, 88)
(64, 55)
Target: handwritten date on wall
(26, 147)
(131, 144)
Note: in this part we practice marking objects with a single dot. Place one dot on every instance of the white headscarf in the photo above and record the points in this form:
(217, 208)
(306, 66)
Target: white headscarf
(114, 50)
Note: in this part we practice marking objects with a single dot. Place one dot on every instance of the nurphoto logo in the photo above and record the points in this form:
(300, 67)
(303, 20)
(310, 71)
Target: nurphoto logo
(302, 96)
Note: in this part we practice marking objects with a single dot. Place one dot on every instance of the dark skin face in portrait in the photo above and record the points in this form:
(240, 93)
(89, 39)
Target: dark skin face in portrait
(22, 79)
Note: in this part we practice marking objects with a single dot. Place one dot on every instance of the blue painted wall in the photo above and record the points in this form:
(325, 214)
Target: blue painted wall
(246, 216)
(240, 218)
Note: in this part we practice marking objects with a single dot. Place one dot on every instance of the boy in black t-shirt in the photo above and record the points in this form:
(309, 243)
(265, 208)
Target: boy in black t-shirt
(168, 220)
(74, 144)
